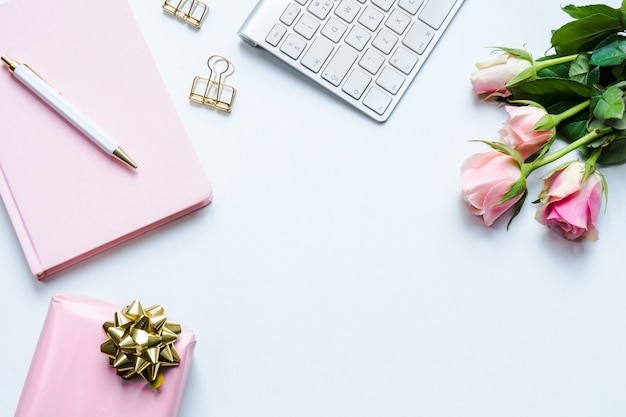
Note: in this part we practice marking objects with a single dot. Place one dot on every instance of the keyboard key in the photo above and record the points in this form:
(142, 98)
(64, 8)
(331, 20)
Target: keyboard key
(390, 80)
(317, 54)
(356, 84)
(320, 8)
(339, 65)
(306, 26)
(377, 100)
(418, 37)
(410, 6)
(372, 61)
(435, 12)
(403, 60)
(385, 41)
(293, 46)
(290, 14)
(276, 34)
(347, 10)
(365, 51)
(371, 18)
(334, 29)
(358, 38)
(398, 21)
(384, 4)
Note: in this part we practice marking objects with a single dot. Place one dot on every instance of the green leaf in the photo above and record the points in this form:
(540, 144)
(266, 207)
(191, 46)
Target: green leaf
(618, 70)
(618, 124)
(584, 34)
(578, 12)
(614, 153)
(594, 76)
(610, 52)
(573, 129)
(579, 69)
(521, 53)
(548, 91)
(610, 105)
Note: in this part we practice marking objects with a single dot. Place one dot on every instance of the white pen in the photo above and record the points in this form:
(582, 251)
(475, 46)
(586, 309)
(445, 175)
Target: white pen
(54, 99)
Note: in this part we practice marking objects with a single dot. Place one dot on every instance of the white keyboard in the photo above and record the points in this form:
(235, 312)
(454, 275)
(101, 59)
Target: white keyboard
(366, 52)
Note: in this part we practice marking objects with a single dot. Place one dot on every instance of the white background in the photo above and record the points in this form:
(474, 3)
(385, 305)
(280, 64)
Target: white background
(338, 271)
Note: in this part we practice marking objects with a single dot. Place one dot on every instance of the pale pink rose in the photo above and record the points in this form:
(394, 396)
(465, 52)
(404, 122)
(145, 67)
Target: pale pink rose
(570, 206)
(491, 76)
(519, 131)
(485, 179)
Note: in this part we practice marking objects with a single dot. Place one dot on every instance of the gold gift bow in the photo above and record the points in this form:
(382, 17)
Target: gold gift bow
(141, 342)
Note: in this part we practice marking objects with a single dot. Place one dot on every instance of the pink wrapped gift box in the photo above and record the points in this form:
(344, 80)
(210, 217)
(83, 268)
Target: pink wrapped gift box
(70, 377)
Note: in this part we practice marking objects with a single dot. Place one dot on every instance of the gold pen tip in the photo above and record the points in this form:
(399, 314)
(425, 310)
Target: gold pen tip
(123, 156)
(12, 64)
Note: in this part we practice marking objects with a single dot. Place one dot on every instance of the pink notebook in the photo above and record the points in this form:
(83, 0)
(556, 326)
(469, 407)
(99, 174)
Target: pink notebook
(66, 198)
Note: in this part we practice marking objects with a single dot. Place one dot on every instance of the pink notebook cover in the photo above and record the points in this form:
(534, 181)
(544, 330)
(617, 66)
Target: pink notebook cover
(66, 198)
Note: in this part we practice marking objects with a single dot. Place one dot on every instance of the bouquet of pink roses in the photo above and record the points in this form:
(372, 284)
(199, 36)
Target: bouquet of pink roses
(576, 94)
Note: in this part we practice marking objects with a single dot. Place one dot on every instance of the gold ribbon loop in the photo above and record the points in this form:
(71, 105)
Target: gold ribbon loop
(141, 342)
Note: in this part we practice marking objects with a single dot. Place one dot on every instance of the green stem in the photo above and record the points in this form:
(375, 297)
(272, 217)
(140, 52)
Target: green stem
(558, 118)
(588, 138)
(553, 61)
(591, 161)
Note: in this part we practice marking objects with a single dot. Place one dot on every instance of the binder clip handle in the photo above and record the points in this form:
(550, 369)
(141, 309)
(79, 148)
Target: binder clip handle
(216, 93)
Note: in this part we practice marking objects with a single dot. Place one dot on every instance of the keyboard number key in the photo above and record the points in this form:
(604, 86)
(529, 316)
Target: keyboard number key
(317, 54)
(293, 46)
(356, 84)
(276, 34)
(377, 100)
(320, 8)
(390, 80)
(290, 14)
(339, 65)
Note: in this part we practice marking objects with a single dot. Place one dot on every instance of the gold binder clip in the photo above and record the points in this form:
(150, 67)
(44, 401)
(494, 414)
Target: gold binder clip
(212, 91)
(191, 11)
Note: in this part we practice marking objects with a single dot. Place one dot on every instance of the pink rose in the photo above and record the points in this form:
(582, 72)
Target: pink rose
(570, 206)
(519, 131)
(492, 76)
(486, 178)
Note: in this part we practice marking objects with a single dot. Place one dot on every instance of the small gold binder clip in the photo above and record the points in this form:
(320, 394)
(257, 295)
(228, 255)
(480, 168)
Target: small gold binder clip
(212, 91)
(191, 11)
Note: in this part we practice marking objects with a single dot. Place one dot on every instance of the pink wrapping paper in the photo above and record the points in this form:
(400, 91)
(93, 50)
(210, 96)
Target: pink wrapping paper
(70, 377)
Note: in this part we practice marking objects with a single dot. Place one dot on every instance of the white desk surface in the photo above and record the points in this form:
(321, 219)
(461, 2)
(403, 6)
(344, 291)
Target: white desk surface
(338, 271)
